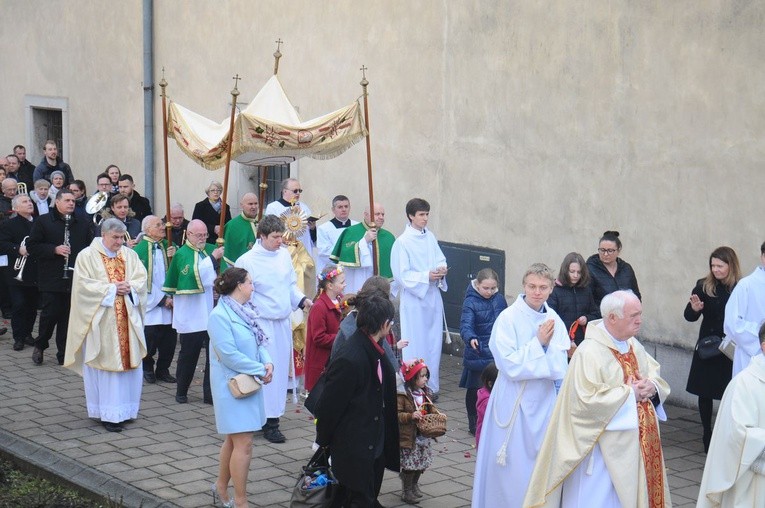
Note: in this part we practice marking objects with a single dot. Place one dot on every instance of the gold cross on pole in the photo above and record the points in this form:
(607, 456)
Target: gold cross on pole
(279, 43)
(236, 81)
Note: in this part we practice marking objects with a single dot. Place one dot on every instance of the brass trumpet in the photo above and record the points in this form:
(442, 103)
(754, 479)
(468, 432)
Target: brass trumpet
(21, 262)
(22, 188)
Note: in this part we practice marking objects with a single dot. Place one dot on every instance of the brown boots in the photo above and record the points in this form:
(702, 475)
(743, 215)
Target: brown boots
(410, 491)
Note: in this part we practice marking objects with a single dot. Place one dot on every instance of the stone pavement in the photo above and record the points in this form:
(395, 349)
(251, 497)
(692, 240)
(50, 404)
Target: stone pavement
(168, 456)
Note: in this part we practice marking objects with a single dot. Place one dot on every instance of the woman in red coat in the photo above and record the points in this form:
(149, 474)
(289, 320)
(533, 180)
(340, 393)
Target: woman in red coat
(323, 323)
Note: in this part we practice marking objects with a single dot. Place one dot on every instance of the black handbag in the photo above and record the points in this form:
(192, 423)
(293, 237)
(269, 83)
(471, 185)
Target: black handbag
(709, 347)
(316, 485)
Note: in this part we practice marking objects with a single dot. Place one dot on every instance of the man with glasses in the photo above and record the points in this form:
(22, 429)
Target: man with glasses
(291, 194)
(153, 251)
(179, 224)
(190, 279)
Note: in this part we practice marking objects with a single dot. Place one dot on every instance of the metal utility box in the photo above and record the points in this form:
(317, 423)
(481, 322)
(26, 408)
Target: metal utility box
(464, 262)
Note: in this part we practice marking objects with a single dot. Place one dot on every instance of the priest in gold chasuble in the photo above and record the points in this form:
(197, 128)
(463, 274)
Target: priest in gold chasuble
(603, 446)
(106, 340)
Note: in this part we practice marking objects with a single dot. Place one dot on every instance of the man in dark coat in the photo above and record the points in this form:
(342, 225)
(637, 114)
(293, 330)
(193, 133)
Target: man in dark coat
(22, 293)
(46, 244)
(356, 413)
(52, 162)
(26, 169)
(139, 204)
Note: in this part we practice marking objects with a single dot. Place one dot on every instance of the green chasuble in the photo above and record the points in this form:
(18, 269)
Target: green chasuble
(238, 238)
(183, 275)
(144, 249)
(346, 251)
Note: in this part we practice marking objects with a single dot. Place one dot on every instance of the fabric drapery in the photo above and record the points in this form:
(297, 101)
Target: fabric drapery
(267, 132)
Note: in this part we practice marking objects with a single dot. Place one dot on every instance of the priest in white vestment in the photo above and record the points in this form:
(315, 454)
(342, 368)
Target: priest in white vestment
(105, 336)
(328, 233)
(275, 296)
(603, 447)
(529, 343)
(291, 193)
(744, 313)
(734, 475)
(419, 273)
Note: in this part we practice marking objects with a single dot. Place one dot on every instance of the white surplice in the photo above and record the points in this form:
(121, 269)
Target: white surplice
(737, 441)
(529, 371)
(414, 255)
(275, 296)
(326, 238)
(744, 314)
(157, 314)
(192, 311)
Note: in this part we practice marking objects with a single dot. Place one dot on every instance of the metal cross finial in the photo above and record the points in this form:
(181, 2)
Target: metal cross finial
(363, 70)
(278, 42)
(162, 82)
(236, 80)
(163, 72)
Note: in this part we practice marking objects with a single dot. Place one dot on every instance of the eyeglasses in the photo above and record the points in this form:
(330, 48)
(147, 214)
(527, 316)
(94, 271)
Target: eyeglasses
(607, 251)
(296, 191)
(217, 191)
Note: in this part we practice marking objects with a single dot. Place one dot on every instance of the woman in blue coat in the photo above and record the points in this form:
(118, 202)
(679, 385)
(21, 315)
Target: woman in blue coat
(482, 305)
(236, 345)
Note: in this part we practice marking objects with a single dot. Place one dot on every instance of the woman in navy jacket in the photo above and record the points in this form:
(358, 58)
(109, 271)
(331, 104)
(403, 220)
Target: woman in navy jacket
(572, 295)
(482, 305)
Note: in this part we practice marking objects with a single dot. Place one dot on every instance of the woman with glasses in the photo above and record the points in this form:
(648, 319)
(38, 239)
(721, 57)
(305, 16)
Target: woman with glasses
(208, 210)
(609, 272)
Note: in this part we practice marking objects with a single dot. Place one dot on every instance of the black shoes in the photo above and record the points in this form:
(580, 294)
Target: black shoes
(3, 330)
(112, 427)
(181, 399)
(274, 435)
(29, 340)
(18, 345)
(149, 377)
(37, 356)
(165, 377)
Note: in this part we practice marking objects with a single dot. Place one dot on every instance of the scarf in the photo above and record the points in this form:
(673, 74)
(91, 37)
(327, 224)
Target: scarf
(249, 315)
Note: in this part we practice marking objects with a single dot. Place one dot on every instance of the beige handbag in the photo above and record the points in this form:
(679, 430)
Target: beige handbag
(243, 385)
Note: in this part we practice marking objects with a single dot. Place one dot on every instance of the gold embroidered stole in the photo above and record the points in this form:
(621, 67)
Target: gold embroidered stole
(648, 431)
(115, 270)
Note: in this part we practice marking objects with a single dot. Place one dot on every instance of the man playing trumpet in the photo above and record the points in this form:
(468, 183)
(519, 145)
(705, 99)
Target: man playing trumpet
(22, 283)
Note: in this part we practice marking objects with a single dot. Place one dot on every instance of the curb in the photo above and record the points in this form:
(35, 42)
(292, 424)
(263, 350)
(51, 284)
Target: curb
(37, 459)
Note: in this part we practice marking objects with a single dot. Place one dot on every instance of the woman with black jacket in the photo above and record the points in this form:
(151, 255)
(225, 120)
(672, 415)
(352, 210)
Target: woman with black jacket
(709, 378)
(609, 272)
(572, 296)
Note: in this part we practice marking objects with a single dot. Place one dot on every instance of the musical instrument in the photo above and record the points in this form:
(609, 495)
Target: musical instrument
(21, 262)
(22, 188)
(96, 203)
(67, 268)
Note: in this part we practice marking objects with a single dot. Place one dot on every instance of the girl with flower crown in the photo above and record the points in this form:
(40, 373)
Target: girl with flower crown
(323, 323)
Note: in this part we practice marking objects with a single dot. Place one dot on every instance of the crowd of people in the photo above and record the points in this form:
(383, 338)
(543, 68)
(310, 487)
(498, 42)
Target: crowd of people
(562, 398)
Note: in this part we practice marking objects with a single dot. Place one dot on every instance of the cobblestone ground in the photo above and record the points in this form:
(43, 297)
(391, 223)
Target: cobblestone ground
(168, 456)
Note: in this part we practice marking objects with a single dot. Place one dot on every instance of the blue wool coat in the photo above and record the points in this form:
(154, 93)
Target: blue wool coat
(234, 350)
(478, 316)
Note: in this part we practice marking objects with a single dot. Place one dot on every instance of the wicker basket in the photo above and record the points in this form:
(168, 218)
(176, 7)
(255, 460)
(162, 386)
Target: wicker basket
(432, 424)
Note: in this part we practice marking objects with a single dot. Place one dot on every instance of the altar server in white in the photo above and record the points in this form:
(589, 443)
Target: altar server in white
(419, 273)
(328, 233)
(275, 296)
(529, 342)
(745, 313)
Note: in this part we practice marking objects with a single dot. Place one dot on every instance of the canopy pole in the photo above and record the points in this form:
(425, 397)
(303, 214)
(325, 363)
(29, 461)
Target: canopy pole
(168, 222)
(364, 83)
(224, 198)
(263, 186)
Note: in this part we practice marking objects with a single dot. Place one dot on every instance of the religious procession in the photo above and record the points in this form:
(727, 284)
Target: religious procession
(347, 318)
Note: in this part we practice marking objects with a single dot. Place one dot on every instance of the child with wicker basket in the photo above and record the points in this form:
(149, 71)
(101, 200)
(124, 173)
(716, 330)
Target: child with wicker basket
(414, 403)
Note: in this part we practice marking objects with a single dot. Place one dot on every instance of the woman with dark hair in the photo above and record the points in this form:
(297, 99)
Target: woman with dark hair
(356, 414)
(236, 343)
(114, 173)
(708, 378)
(572, 296)
(609, 272)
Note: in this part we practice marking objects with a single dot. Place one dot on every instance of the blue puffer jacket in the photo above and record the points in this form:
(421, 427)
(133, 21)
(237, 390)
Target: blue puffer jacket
(478, 316)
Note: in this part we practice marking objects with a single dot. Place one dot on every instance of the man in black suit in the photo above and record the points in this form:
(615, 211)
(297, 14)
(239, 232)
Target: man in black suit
(23, 294)
(139, 204)
(46, 244)
(356, 413)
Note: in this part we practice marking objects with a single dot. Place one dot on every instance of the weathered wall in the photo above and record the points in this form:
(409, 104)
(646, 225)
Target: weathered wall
(530, 126)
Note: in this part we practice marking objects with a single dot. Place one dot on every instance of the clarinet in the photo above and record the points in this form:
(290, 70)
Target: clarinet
(67, 220)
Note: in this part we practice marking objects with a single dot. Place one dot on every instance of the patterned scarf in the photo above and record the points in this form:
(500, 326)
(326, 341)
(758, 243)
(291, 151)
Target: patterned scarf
(249, 315)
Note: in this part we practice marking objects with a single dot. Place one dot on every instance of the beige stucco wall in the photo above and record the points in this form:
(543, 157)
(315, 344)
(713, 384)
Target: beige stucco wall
(531, 127)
